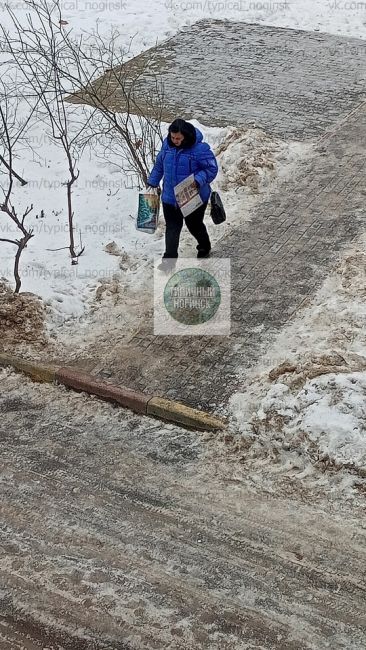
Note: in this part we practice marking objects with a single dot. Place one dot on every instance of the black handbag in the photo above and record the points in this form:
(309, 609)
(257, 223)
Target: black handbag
(218, 214)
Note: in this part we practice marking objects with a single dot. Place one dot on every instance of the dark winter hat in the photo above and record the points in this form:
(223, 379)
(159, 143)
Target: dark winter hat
(185, 128)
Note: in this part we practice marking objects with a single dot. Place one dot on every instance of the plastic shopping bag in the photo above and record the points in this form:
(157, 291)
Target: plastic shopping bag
(148, 211)
(218, 214)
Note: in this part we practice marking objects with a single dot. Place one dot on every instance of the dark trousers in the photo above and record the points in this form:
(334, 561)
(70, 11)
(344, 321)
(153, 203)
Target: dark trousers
(174, 223)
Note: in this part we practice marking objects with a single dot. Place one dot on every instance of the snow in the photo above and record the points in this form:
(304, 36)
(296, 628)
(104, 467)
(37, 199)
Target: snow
(105, 207)
(104, 202)
(330, 411)
(105, 212)
(315, 411)
(321, 417)
(143, 23)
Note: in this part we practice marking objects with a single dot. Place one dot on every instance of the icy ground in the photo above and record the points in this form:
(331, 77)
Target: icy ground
(123, 532)
(266, 466)
(305, 402)
(316, 419)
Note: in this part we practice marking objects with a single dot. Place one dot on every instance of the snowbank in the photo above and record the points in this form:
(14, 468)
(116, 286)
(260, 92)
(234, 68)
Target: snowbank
(111, 285)
(306, 400)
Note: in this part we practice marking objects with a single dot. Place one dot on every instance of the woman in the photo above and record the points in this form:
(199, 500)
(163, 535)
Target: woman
(183, 153)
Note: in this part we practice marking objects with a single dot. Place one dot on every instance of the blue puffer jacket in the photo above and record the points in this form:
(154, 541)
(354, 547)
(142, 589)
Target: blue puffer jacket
(176, 163)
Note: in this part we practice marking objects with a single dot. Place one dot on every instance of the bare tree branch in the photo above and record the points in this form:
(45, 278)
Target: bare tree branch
(38, 53)
(92, 70)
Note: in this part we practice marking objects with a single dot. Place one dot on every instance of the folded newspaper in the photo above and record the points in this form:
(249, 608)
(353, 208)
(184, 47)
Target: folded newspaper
(187, 195)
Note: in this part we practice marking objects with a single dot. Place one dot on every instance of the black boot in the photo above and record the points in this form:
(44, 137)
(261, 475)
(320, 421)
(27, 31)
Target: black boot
(203, 252)
(167, 264)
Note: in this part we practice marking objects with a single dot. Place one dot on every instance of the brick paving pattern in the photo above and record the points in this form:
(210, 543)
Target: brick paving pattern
(277, 259)
(293, 83)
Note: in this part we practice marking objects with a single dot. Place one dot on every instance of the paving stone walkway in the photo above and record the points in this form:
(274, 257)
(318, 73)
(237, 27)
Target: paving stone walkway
(293, 83)
(278, 259)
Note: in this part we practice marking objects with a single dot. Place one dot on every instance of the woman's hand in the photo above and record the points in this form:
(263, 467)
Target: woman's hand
(153, 187)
